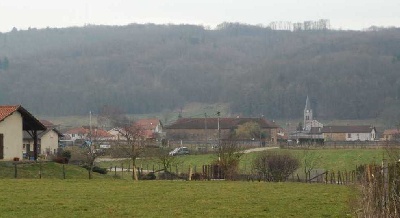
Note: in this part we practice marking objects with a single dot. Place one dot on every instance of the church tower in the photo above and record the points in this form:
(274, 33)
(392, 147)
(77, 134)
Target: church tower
(308, 116)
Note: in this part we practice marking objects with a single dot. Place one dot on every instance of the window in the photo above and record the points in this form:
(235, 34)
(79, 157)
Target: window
(349, 135)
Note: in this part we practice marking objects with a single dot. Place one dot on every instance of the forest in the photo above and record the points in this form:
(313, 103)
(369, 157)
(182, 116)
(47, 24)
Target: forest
(148, 68)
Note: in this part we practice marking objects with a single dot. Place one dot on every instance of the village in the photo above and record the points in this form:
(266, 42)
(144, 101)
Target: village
(24, 137)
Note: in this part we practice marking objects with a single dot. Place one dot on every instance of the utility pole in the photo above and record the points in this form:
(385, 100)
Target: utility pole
(219, 130)
(90, 126)
(205, 128)
(219, 137)
(260, 128)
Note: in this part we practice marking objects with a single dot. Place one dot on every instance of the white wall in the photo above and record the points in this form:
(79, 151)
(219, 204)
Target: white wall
(49, 141)
(11, 128)
(359, 136)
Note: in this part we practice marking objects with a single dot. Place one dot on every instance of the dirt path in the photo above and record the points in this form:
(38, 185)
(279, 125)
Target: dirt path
(259, 149)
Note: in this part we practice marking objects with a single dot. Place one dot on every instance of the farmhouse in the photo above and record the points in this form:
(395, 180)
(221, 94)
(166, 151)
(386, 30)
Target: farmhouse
(14, 120)
(206, 129)
(391, 135)
(48, 141)
(349, 133)
(152, 129)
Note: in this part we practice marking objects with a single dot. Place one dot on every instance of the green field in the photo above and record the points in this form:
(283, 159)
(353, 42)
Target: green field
(48, 170)
(121, 198)
(328, 159)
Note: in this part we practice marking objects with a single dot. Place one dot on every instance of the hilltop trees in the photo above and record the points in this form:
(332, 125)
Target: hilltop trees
(152, 68)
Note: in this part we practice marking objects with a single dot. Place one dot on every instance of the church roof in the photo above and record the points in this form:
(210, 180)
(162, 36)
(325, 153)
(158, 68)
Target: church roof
(347, 129)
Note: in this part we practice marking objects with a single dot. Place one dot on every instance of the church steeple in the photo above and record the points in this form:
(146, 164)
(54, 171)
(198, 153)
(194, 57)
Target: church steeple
(308, 106)
(308, 115)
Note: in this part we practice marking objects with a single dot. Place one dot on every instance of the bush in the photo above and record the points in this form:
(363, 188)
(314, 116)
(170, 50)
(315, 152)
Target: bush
(148, 176)
(96, 169)
(273, 166)
(66, 154)
(60, 160)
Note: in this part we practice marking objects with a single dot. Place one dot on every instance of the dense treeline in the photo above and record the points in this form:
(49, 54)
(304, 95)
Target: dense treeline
(152, 68)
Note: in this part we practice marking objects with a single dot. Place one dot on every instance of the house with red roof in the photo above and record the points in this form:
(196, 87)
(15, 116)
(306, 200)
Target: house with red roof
(14, 121)
(391, 135)
(152, 128)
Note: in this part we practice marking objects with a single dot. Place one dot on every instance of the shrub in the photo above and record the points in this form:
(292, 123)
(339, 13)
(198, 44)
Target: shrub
(96, 169)
(273, 166)
(66, 154)
(60, 160)
(148, 176)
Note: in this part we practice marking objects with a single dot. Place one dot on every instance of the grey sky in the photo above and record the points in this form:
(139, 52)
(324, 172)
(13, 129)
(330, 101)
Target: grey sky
(345, 14)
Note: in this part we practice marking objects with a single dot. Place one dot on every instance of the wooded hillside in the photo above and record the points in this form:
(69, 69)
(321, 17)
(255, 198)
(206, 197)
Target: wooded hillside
(152, 68)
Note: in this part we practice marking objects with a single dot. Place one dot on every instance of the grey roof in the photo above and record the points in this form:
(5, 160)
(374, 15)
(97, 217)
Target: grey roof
(348, 129)
(225, 123)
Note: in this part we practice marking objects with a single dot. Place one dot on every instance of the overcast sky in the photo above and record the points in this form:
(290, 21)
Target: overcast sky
(344, 14)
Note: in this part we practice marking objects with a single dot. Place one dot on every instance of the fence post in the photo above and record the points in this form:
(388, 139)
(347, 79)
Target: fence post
(190, 173)
(326, 177)
(40, 169)
(122, 171)
(15, 170)
(63, 168)
(115, 170)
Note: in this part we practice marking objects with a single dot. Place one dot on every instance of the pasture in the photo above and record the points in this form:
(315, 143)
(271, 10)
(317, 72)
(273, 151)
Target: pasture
(122, 198)
(328, 159)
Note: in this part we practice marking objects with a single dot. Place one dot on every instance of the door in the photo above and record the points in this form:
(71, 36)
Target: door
(1, 146)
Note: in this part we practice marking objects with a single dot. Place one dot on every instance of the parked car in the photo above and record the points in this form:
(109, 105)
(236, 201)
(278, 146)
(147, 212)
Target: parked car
(179, 151)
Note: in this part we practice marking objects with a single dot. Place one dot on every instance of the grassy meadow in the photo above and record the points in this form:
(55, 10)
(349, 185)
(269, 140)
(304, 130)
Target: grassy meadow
(49, 170)
(122, 198)
(328, 159)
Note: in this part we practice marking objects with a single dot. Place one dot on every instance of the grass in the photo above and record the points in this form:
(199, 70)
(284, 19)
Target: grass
(328, 159)
(121, 198)
(50, 170)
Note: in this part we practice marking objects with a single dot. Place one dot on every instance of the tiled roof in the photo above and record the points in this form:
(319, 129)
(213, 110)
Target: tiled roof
(7, 110)
(95, 132)
(148, 124)
(347, 129)
(29, 122)
(224, 123)
(391, 132)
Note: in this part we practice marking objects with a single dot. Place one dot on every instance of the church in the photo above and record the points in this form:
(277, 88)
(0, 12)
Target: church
(312, 129)
(315, 132)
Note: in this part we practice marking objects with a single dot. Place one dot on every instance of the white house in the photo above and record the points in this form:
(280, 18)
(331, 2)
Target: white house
(349, 133)
(14, 121)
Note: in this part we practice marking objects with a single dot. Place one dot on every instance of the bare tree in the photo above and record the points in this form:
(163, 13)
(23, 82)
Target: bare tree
(165, 159)
(87, 154)
(132, 146)
(229, 154)
(310, 159)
